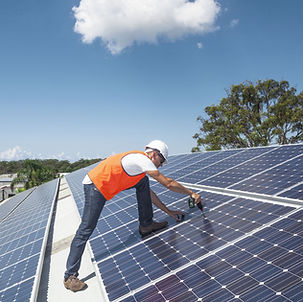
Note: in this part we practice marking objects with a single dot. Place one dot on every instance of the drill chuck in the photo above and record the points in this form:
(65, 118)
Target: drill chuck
(191, 204)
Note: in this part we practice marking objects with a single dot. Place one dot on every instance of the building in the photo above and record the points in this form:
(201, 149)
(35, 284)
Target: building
(5, 186)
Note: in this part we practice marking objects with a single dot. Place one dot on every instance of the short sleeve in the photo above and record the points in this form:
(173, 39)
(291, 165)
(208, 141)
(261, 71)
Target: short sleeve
(137, 163)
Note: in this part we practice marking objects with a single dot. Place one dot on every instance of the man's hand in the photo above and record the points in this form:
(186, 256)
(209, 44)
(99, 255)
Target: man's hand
(176, 214)
(173, 185)
(197, 197)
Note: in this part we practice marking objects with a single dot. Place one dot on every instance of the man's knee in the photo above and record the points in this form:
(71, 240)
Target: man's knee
(84, 233)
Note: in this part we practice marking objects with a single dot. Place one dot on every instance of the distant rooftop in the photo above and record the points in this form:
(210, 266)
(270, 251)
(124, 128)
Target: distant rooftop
(6, 179)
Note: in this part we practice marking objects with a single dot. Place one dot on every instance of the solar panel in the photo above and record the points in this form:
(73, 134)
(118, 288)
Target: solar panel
(239, 176)
(192, 173)
(182, 245)
(226, 163)
(23, 238)
(295, 192)
(9, 205)
(178, 162)
(276, 179)
(260, 267)
(245, 249)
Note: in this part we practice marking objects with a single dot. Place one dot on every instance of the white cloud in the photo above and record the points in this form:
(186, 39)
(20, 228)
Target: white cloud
(60, 156)
(200, 45)
(234, 22)
(122, 23)
(16, 153)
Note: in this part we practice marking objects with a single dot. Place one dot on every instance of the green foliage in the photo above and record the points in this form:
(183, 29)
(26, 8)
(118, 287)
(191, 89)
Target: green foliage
(253, 115)
(63, 166)
(35, 172)
(10, 167)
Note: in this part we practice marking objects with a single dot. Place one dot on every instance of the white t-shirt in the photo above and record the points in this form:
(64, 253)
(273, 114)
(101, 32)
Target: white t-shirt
(133, 164)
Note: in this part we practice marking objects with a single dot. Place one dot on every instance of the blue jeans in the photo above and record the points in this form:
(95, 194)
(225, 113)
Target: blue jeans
(94, 203)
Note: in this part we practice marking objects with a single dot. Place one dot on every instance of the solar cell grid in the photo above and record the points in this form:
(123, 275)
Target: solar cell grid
(186, 160)
(193, 173)
(19, 293)
(206, 176)
(275, 179)
(106, 244)
(168, 251)
(156, 187)
(194, 259)
(295, 292)
(228, 175)
(15, 254)
(114, 222)
(272, 156)
(22, 243)
(294, 192)
(19, 271)
(239, 273)
(9, 205)
(173, 200)
(176, 160)
(127, 215)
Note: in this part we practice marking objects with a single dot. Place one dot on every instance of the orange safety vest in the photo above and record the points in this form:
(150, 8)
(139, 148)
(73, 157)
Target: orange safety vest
(110, 178)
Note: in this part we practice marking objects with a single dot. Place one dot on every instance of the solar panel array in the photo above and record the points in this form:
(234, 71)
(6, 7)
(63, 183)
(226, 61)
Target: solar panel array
(23, 232)
(7, 207)
(245, 249)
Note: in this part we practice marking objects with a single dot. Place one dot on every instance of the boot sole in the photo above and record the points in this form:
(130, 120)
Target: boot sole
(148, 233)
(78, 290)
(144, 234)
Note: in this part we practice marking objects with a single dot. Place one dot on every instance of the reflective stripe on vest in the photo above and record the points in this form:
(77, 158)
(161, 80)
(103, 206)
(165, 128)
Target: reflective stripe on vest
(110, 178)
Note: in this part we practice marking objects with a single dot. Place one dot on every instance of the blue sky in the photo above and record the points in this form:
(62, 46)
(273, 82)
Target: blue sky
(115, 82)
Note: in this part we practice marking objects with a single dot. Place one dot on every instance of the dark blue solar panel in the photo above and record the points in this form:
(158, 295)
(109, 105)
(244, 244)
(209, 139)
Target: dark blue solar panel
(177, 247)
(194, 173)
(9, 205)
(296, 192)
(113, 235)
(254, 166)
(22, 237)
(204, 176)
(232, 166)
(240, 272)
(243, 250)
(122, 227)
(19, 293)
(274, 180)
(186, 160)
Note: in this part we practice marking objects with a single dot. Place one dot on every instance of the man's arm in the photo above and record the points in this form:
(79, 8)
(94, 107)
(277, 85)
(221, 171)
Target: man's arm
(158, 203)
(173, 185)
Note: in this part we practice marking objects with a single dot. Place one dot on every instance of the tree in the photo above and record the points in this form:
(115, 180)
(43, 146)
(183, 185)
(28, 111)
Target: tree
(59, 166)
(253, 115)
(33, 174)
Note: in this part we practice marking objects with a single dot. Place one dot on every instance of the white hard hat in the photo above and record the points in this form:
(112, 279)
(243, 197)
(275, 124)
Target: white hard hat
(160, 146)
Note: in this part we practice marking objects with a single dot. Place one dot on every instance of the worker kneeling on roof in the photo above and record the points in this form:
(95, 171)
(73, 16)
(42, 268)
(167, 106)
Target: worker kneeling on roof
(113, 175)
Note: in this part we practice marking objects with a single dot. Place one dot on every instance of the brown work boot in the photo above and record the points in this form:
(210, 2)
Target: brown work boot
(155, 226)
(74, 284)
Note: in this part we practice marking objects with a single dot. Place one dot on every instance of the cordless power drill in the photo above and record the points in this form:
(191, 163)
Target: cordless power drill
(191, 204)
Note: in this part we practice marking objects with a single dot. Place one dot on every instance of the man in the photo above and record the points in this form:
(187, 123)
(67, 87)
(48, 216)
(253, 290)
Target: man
(113, 175)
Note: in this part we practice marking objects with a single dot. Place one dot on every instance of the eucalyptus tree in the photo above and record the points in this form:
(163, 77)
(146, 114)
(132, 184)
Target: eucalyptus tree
(253, 115)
